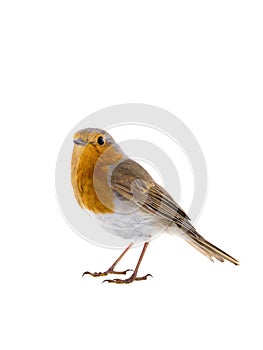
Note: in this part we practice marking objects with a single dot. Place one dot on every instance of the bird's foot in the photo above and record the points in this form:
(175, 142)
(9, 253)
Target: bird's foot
(128, 280)
(110, 271)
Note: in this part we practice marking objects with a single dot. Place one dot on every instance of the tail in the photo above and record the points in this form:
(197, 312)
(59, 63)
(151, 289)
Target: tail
(208, 249)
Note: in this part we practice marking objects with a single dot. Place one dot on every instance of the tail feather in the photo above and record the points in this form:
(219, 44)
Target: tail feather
(201, 250)
(210, 250)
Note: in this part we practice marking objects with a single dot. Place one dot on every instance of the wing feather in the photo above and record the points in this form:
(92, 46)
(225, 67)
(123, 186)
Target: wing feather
(133, 182)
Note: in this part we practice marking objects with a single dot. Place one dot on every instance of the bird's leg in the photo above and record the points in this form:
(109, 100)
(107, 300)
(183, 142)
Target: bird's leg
(111, 269)
(134, 275)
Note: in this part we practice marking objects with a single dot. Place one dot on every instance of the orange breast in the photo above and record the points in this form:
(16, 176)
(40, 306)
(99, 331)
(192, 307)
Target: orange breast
(90, 181)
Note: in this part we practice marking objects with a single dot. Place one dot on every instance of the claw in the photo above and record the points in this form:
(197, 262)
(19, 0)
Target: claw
(94, 274)
(128, 280)
(100, 274)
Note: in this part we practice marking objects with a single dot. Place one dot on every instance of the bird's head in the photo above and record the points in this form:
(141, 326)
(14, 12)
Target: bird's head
(97, 145)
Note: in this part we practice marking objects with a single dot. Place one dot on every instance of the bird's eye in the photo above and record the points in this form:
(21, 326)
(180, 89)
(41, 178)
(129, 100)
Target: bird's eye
(101, 140)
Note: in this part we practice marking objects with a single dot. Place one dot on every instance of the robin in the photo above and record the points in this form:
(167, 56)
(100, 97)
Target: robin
(122, 196)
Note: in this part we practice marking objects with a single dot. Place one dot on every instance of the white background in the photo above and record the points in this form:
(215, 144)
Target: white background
(60, 61)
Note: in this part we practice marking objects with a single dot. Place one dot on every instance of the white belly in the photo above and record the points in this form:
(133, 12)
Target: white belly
(132, 223)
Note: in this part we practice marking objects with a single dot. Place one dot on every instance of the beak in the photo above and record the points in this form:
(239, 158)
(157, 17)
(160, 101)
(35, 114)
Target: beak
(79, 142)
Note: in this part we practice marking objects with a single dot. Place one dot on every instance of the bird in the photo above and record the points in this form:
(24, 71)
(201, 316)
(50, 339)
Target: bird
(123, 197)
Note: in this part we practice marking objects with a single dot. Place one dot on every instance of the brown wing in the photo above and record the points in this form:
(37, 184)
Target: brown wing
(133, 182)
